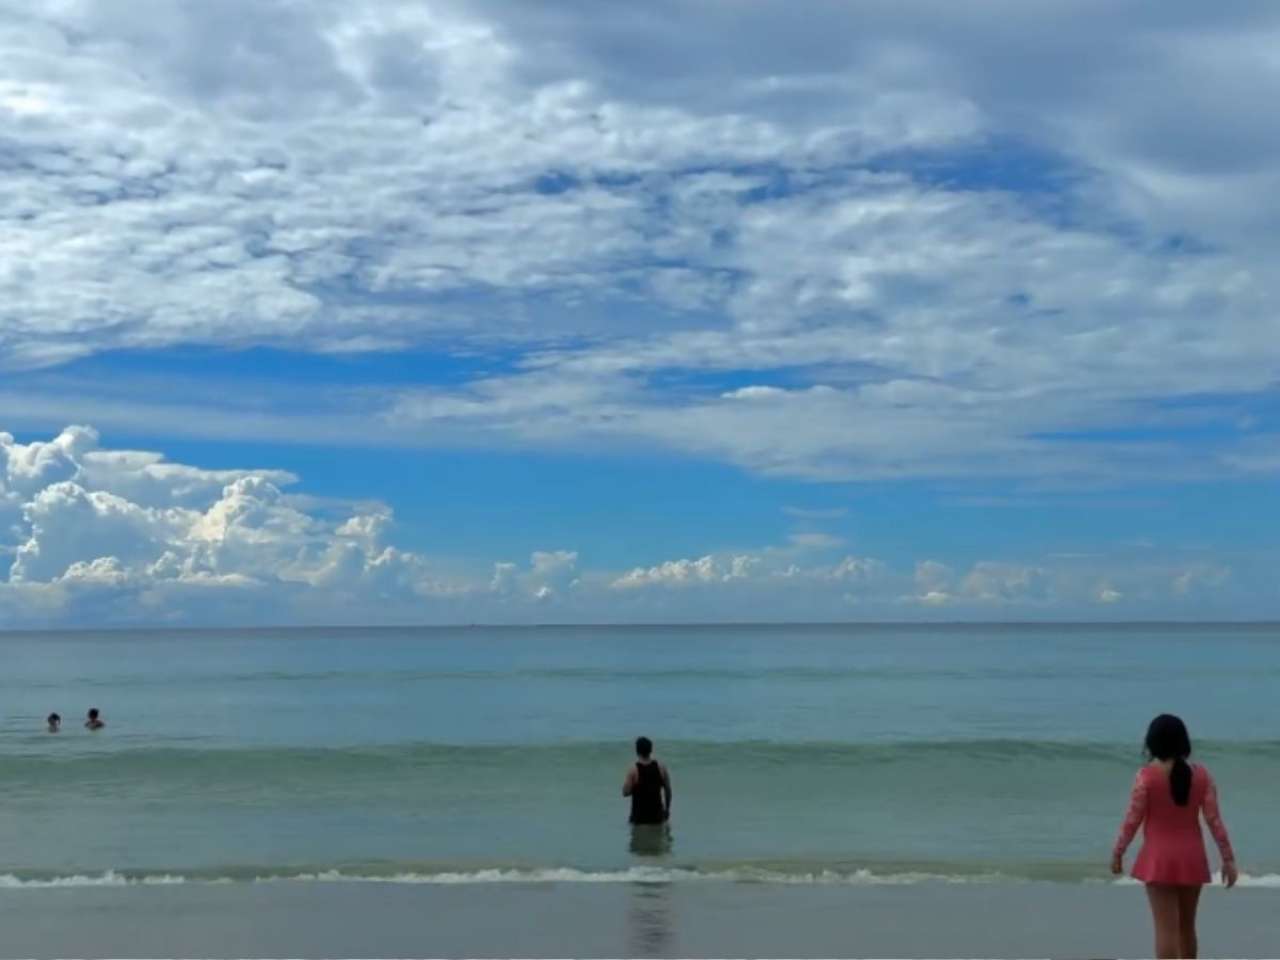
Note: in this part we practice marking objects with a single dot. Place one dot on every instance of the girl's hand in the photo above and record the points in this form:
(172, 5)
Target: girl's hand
(1229, 875)
(1117, 864)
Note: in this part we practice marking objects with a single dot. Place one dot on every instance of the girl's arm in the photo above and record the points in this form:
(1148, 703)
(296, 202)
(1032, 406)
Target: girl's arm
(1213, 817)
(1133, 817)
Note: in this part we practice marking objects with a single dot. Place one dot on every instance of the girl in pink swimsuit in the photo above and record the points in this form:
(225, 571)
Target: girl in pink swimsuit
(1169, 796)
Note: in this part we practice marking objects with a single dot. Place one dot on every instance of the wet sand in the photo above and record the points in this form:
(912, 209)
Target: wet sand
(316, 920)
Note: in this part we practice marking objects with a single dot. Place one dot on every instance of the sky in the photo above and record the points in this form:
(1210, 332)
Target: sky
(473, 311)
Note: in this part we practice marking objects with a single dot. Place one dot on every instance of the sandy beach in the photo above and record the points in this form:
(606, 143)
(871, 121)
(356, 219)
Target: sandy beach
(320, 920)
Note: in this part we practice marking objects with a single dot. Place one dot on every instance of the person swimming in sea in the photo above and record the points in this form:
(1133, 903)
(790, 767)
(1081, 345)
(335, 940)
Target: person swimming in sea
(1169, 797)
(95, 722)
(648, 784)
(54, 721)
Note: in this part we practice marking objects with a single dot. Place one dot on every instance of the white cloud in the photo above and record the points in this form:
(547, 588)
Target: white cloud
(1201, 578)
(934, 579)
(1108, 594)
(858, 569)
(990, 583)
(750, 570)
(30, 467)
(1005, 582)
(69, 523)
(552, 572)
(504, 579)
(928, 247)
(550, 575)
(107, 571)
(193, 551)
(77, 529)
(674, 573)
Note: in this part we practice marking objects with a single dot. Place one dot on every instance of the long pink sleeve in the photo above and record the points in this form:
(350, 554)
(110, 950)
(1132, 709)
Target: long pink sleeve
(1134, 816)
(1213, 818)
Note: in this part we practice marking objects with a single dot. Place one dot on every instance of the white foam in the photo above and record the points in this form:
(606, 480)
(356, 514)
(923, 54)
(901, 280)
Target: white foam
(1244, 880)
(644, 875)
(108, 879)
(638, 874)
(1265, 880)
(548, 875)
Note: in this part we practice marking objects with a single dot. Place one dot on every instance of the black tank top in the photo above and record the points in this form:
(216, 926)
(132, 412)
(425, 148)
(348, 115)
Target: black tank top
(646, 796)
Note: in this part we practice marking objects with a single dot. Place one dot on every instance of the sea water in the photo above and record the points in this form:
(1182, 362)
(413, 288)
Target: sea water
(798, 754)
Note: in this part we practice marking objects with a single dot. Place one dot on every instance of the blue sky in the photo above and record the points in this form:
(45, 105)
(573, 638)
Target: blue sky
(497, 311)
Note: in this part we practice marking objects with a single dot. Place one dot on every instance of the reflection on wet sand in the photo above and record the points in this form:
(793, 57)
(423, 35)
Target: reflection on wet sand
(650, 931)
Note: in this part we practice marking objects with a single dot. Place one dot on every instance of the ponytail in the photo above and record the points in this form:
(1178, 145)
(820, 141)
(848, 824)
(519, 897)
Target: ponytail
(1167, 739)
(1180, 781)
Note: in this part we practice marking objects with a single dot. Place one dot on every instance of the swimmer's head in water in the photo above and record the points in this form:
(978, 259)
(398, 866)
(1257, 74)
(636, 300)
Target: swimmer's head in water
(93, 713)
(54, 721)
(644, 748)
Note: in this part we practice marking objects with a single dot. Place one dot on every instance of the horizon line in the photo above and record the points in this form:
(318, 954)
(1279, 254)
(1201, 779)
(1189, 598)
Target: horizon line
(689, 624)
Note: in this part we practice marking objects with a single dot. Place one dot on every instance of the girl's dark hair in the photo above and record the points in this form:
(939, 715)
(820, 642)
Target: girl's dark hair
(1167, 739)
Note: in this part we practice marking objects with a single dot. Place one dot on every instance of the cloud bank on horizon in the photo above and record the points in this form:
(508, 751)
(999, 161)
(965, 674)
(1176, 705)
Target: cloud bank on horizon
(1024, 246)
(113, 537)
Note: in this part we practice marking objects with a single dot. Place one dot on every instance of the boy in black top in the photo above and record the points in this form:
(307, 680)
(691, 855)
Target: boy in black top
(648, 784)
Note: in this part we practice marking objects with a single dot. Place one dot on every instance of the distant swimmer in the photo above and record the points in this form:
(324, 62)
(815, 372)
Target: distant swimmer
(55, 722)
(94, 722)
(648, 784)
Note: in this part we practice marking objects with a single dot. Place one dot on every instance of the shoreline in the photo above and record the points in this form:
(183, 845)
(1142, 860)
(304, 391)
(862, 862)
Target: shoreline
(746, 874)
(322, 920)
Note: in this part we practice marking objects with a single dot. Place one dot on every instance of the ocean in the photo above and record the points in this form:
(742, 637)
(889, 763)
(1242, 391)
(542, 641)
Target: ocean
(800, 755)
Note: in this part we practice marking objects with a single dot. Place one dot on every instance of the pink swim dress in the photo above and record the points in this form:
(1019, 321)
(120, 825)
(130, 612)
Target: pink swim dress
(1172, 845)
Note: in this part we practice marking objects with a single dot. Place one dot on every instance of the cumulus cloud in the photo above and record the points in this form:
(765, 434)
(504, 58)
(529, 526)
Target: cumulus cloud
(934, 582)
(548, 578)
(681, 572)
(214, 547)
(770, 565)
(88, 521)
(1005, 582)
(551, 572)
(992, 583)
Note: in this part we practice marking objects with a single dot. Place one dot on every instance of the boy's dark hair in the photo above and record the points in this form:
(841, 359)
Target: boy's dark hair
(644, 748)
(93, 713)
(53, 718)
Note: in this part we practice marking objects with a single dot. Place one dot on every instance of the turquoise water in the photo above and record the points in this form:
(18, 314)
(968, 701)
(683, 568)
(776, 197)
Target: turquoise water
(801, 754)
